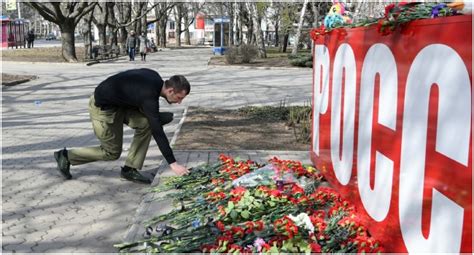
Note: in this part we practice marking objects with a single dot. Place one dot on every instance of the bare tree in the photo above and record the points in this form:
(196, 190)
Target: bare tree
(287, 19)
(178, 14)
(100, 19)
(87, 34)
(161, 17)
(187, 22)
(256, 14)
(66, 15)
(247, 21)
(300, 26)
(276, 19)
(237, 28)
(190, 10)
(123, 15)
(113, 29)
(128, 17)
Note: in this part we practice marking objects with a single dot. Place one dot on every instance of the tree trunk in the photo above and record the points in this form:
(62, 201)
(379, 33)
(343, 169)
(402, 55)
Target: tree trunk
(67, 40)
(157, 33)
(87, 35)
(100, 20)
(187, 36)
(236, 24)
(122, 39)
(157, 27)
(113, 37)
(249, 32)
(300, 26)
(102, 34)
(240, 36)
(163, 31)
(277, 37)
(262, 53)
(144, 26)
(285, 42)
(316, 8)
(124, 13)
(231, 24)
(179, 19)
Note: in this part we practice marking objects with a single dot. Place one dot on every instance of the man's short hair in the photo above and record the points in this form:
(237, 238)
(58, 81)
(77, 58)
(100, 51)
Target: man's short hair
(179, 83)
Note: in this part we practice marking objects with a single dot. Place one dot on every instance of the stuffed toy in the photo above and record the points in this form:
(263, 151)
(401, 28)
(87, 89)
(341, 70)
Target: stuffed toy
(336, 16)
(464, 7)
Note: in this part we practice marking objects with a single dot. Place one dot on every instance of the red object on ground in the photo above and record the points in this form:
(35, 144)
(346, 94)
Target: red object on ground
(392, 129)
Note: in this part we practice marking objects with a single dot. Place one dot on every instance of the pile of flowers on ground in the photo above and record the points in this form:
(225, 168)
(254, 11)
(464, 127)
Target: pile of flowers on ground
(245, 207)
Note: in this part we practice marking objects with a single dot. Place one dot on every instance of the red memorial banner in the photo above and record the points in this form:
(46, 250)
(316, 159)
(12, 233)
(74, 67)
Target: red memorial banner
(392, 124)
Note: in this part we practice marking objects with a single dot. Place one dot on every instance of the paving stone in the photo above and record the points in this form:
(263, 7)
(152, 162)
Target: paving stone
(96, 208)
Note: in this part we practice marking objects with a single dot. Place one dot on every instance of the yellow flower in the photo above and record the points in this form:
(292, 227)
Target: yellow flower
(311, 169)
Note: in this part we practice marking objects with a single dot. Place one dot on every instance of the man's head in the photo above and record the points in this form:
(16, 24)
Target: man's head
(175, 89)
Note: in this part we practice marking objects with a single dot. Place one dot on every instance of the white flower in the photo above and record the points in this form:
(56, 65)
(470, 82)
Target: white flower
(302, 220)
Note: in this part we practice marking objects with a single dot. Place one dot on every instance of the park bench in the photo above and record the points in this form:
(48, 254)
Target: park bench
(104, 52)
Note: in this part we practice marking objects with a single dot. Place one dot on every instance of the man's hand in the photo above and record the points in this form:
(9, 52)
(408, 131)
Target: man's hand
(179, 169)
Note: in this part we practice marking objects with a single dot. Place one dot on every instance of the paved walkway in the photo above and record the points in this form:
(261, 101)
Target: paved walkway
(94, 210)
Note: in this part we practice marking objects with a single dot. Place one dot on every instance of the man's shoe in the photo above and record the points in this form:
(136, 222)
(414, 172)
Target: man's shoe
(63, 163)
(133, 175)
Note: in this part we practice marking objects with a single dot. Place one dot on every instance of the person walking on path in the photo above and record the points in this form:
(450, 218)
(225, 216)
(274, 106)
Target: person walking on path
(30, 38)
(131, 45)
(144, 45)
(132, 98)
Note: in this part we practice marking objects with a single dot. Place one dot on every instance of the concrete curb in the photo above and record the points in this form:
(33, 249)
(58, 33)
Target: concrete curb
(12, 83)
(19, 81)
(180, 124)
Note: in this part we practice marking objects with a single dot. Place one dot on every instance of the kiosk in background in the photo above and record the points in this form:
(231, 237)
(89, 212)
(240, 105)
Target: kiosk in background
(221, 35)
(13, 32)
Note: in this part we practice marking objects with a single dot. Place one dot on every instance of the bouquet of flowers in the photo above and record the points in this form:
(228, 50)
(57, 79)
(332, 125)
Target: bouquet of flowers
(397, 15)
(212, 215)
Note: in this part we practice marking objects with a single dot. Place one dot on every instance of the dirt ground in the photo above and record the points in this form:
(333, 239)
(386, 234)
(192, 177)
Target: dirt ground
(39, 54)
(218, 129)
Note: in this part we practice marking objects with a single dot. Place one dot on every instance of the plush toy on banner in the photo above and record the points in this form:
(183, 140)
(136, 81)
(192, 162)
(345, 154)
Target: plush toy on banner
(337, 16)
(464, 7)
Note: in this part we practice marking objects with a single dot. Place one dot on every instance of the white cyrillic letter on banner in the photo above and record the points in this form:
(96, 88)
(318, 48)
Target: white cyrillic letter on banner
(441, 65)
(344, 63)
(379, 59)
(320, 89)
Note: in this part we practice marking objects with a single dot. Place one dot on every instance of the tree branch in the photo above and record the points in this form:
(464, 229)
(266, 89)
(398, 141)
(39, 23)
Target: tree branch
(135, 19)
(82, 10)
(44, 11)
(161, 14)
(58, 11)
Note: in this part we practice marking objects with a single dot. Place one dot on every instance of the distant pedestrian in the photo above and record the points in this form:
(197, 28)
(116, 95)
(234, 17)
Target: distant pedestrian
(153, 45)
(30, 38)
(144, 46)
(131, 45)
(11, 40)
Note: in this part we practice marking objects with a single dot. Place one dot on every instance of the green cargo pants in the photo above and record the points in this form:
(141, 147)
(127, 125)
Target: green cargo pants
(108, 127)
